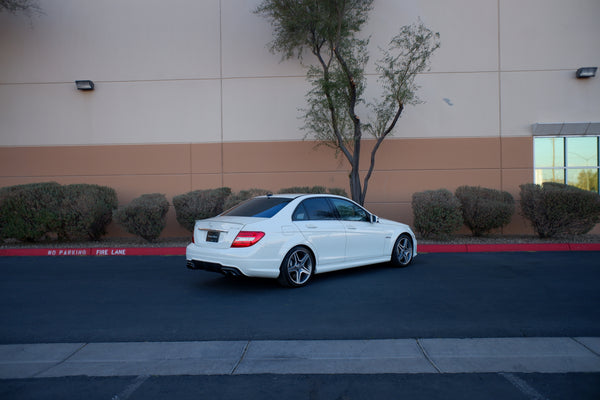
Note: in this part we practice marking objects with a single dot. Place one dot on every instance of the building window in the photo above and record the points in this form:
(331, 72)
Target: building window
(572, 160)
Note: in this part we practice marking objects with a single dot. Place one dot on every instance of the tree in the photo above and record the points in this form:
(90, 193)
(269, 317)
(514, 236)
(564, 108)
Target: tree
(25, 6)
(328, 30)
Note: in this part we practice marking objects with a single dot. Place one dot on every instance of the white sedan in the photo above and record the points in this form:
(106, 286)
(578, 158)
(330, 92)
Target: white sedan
(293, 237)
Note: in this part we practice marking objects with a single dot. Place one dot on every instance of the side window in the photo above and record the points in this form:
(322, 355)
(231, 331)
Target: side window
(349, 211)
(316, 208)
(300, 213)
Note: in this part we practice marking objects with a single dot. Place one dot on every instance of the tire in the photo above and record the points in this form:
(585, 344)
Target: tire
(297, 268)
(402, 254)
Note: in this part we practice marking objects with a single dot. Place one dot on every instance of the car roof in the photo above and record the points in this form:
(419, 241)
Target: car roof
(305, 195)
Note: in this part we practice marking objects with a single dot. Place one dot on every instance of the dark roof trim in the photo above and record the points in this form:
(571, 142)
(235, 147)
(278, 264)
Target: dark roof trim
(566, 129)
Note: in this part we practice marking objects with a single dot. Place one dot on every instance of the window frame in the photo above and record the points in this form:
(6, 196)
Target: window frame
(566, 167)
(307, 210)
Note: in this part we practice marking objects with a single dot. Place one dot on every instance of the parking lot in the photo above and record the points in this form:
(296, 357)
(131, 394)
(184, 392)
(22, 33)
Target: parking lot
(502, 296)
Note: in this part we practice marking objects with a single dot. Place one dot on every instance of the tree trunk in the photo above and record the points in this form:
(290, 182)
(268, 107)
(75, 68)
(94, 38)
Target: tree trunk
(355, 186)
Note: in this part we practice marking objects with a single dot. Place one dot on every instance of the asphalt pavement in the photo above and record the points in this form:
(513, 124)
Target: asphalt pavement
(137, 321)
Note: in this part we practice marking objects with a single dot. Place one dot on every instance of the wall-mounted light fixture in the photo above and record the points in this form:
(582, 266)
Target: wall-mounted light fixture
(586, 72)
(84, 85)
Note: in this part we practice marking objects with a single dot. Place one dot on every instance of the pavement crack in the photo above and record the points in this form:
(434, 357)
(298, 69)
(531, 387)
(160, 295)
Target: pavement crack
(427, 356)
(584, 345)
(67, 358)
(233, 371)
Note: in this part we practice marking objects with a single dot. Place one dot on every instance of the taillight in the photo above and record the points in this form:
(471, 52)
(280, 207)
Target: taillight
(247, 239)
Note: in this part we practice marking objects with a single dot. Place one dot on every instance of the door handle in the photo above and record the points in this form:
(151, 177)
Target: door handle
(311, 226)
(352, 227)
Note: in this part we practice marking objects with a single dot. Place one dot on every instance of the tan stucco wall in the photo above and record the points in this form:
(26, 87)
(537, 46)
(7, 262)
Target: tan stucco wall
(404, 166)
(190, 71)
(188, 96)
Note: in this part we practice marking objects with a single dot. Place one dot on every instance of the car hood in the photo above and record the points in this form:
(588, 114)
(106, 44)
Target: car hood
(394, 223)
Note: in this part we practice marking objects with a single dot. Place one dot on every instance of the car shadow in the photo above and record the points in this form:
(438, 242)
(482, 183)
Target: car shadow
(352, 272)
(216, 282)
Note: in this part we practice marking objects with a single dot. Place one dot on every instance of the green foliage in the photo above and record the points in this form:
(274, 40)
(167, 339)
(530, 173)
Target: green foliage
(310, 24)
(199, 204)
(29, 212)
(436, 213)
(27, 7)
(73, 212)
(557, 209)
(145, 216)
(243, 195)
(485, 209)
(314, 190)
(86, 211)
(329, 30)
(337, 191)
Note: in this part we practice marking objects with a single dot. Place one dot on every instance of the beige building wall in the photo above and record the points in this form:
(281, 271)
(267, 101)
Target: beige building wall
(188, 96)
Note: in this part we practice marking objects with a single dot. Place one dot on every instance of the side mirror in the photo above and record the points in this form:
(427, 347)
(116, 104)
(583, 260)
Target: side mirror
(374, 219)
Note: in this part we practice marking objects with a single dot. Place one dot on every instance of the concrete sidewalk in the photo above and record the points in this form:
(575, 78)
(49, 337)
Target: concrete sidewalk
(398, 356)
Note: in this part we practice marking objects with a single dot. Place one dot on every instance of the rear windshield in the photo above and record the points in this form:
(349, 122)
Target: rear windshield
(261, 207)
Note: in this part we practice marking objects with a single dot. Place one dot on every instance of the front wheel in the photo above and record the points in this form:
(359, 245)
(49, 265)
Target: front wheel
(402, 255)
(297, 267)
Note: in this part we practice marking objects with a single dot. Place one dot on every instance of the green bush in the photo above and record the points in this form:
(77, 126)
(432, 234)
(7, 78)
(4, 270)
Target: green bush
(243, 195)
(314, 190)
(485, 209)
(86, 211)
(73, 212)
(557, 209)
(145, 216)
(30, 212)
(199, 204)
(436, 213)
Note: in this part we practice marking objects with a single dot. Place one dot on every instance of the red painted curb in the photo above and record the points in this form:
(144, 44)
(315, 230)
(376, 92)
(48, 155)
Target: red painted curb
(585, 246)
(180, 251)
(483, 248)
(441, 248)
(97, 251)
(139, 251)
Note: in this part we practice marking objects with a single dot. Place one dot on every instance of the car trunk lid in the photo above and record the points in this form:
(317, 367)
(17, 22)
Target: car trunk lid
(219, 232)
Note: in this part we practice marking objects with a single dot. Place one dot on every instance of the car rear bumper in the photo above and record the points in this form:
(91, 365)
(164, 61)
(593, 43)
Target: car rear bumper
(249, 261)
(214, 267)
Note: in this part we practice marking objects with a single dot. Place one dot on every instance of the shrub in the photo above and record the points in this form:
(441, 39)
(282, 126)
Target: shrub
(243, 195)
(338, 191)
(199, 204)
(436, 213)
(314, 190)
(86, 211)
(145, 216)
(75, 212)
(485, 209)
(558, 209)
(29, 212)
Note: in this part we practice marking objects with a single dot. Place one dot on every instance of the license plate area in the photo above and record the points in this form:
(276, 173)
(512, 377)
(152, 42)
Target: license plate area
(213, 236)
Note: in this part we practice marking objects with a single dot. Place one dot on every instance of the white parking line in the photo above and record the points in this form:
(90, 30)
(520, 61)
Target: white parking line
(523, 387)
(128, 391)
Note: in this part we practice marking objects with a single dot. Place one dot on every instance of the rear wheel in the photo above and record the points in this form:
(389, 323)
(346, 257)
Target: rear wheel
(402, 255)
(297, 267)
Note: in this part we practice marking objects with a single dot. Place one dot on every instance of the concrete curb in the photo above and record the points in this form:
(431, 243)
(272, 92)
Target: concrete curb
(94, 251)
(515, 247)
(179, 251)
(388, 356)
